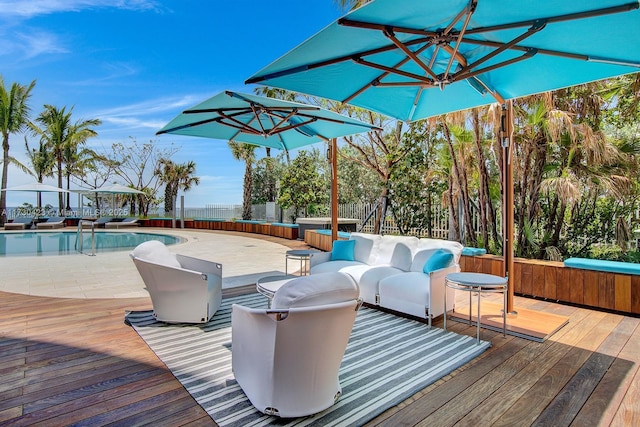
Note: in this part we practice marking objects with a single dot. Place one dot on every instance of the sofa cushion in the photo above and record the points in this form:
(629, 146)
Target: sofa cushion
(395, 251)
(332, 266)
(366, 246)
(317, 289)
(440, 258)
(420, 258)
(343, 250)
(402, 257)
(155, 251)
(454, 247)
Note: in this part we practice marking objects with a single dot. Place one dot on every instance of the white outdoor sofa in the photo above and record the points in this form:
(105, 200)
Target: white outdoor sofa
(400, 273)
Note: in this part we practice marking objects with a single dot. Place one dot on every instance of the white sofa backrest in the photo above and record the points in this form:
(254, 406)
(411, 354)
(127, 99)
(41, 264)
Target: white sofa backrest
(454, 247)
(366, 247)
(396, 251)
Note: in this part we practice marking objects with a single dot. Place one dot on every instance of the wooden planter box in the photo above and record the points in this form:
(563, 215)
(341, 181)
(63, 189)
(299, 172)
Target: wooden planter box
(552, 280)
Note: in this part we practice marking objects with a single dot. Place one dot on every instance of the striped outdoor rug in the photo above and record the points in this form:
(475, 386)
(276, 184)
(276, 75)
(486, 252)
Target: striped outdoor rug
(388, 359)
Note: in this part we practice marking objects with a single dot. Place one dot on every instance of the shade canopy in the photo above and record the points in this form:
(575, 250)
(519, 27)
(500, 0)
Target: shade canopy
(262, 121)
(36, 187)
(116, 189)
(414, 59)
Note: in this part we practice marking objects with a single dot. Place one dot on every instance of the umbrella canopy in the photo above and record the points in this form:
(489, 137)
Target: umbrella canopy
(116, 189)
(36, 187)
(269, 122)
(414, 59)
(263, 121)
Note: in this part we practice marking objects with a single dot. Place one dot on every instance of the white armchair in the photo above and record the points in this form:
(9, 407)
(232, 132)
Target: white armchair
(286, 359)
(182, 289)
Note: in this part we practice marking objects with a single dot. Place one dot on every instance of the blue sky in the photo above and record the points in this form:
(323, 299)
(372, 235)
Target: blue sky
(136, 64)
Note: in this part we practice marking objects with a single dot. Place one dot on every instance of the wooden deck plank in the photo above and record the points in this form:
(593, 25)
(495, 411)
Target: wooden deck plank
(608, 396)
(566, 405)
(531, 405)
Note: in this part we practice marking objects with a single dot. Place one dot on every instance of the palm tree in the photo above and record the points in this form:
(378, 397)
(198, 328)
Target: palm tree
(62, 137)
(176, 177)
(42, 163)
(14, 115)
(246, 153)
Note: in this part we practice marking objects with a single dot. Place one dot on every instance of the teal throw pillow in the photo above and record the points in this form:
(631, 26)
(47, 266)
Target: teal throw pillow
(343, 250)
(439, 259)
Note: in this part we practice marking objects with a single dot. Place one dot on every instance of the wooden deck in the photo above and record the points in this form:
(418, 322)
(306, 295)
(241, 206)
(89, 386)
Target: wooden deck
(72, 361)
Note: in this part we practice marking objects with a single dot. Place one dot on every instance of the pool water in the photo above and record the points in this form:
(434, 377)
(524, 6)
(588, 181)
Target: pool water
(38, 243)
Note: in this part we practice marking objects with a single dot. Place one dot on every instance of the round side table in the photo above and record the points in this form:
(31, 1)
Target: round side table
(301, 255)
(268, 285)
(482, 284)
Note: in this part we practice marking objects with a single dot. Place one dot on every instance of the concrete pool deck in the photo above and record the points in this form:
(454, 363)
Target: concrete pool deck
(244, 259)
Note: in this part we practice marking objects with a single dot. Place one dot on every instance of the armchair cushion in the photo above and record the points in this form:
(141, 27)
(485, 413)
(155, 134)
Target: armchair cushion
(155, 251)
(315, 290)
(343, 250)
(440, 258)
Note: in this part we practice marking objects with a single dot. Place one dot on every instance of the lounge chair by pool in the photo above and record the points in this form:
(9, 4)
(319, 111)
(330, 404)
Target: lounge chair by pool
(126, 222)
(53, 222)
(19, 223)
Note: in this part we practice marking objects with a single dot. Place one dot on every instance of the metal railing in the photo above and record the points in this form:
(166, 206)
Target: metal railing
(80, 237)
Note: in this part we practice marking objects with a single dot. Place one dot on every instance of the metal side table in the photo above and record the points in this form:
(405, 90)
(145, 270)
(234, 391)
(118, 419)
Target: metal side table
(480, 283)
(302, 255)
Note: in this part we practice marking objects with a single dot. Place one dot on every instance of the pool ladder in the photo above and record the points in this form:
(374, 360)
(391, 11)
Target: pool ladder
(79, 238)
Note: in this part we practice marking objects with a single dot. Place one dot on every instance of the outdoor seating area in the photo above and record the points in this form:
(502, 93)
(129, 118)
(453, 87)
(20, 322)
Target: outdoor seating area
(400, 273)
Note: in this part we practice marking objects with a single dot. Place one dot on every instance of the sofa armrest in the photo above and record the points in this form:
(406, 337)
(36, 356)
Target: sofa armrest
(319, 258)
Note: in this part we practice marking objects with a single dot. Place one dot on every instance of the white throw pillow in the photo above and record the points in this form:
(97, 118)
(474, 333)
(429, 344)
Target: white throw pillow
(316, 289)
(155, 251)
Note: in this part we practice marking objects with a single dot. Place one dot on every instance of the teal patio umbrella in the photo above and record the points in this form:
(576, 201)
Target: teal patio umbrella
(412, 59)
(268, 122)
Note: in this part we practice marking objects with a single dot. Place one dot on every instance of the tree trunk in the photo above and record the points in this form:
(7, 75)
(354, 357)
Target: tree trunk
(60, 195)
(484, 178)
(5, 170)
(461, 178)
(246, 197)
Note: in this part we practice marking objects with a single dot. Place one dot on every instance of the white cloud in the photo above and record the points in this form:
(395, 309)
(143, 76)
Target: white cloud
(31, 8)
(37, 43)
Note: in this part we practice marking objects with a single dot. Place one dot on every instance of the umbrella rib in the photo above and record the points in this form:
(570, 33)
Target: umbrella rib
(471, 7)
(419, 78)
(559, 18)
(320, 64)
(388, 33)
(538, 26)
(276, 126)
(468, 74)
(375, 81)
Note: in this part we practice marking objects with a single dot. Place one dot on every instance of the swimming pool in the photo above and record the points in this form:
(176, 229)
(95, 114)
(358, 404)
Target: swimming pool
(39, 243)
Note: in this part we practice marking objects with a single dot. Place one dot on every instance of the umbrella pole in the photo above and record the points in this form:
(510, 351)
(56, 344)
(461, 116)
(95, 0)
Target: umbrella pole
(333, 154)
(507, 199)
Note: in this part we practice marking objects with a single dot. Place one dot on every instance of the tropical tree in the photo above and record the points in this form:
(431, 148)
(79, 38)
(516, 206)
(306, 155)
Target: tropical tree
(245, 153)
(63, 138)
(136, 163)
(176, 177)
(302, 186)
(14, 116)
(42, 163)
